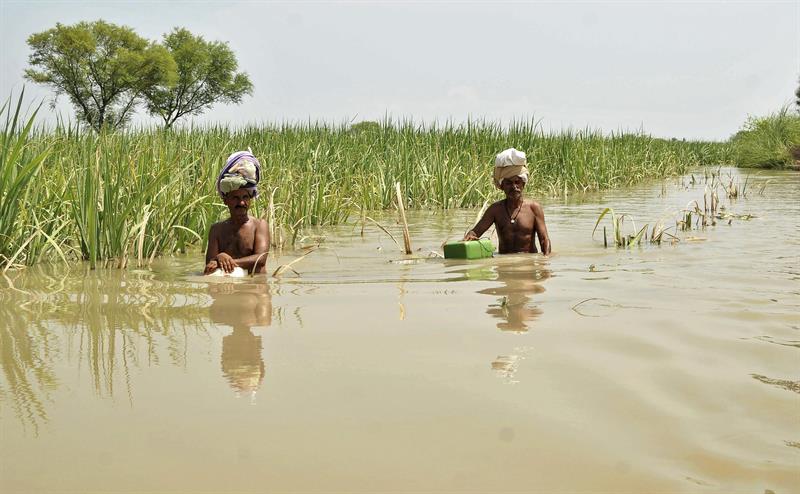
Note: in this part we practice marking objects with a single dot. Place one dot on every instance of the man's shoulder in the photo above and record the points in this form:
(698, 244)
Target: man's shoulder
(533, 204)
(216, 226)
(257, 222)
(494, 209)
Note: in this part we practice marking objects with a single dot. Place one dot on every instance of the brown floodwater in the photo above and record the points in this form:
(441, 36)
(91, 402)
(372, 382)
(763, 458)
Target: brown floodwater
(670, 368)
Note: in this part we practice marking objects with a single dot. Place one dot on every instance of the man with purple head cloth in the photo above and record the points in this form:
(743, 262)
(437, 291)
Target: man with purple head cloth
(241, 242)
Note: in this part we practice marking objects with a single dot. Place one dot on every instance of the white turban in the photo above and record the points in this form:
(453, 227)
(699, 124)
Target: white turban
(510, 163)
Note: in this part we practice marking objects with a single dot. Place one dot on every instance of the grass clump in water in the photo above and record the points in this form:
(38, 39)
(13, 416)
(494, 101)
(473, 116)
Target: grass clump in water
(692, 217)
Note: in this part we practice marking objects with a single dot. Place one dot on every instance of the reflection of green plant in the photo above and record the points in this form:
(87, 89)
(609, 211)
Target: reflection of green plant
(26, 354)
(119, 325)
(110, 321)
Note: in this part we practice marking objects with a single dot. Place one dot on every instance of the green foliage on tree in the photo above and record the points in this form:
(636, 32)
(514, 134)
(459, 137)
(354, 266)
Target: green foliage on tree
(103, 68)
(206, 74)
(366, 126)
(797, 98)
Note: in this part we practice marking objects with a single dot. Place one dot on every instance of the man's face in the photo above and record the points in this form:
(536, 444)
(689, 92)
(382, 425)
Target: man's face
(238, 201)
(513, 187)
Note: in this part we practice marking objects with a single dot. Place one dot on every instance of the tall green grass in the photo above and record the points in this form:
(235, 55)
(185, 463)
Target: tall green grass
(126, 197)
(18, 169)
(769, 142)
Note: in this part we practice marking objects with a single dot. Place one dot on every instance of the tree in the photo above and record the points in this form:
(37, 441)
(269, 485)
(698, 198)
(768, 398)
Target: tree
(104, 69)
(366, 126)
(206, 75)
(797, 98)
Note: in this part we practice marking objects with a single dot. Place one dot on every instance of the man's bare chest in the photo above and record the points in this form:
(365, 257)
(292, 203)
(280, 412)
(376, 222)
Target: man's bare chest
(520, 225)
(237, 243)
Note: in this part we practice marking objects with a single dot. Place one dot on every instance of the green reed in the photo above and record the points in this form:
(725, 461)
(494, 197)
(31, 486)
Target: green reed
(137, 194)
(18, 168)
(617, 230)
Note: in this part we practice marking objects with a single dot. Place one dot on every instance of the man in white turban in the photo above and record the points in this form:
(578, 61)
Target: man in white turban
(240, 243)
(518, 221)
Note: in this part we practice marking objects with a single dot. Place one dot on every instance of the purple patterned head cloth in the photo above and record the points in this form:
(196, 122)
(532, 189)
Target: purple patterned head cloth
(241, 171)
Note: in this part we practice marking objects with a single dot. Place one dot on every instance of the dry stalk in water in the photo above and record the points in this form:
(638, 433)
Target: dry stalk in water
(282, 268)
(401, 208)
(384, 230)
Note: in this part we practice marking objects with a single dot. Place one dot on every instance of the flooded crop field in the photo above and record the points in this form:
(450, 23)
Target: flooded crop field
(653, 368)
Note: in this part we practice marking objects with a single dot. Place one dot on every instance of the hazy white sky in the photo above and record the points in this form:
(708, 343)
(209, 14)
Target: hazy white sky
(674, 69)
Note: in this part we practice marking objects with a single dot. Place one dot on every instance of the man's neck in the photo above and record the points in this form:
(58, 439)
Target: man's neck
(514, 203)
(239, 220)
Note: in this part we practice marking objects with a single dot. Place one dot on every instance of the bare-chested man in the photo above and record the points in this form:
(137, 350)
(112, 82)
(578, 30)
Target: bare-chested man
(241, 240)
(518, 221)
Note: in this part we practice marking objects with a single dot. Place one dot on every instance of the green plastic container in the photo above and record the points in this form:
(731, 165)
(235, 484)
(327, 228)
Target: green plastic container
(471, 249)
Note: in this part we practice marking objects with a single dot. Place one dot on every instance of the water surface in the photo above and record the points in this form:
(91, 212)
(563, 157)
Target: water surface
(669, 368)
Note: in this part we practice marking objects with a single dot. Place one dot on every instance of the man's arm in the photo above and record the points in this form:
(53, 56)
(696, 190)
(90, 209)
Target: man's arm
(541, 228)
(212, 250)
(260, 250)
(483, 224)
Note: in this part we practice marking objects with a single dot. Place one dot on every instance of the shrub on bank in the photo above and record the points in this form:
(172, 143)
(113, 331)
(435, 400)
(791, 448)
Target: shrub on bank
(769, 142)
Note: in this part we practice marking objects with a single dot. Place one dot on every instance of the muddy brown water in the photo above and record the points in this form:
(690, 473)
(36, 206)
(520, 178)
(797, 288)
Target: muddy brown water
(669, 368)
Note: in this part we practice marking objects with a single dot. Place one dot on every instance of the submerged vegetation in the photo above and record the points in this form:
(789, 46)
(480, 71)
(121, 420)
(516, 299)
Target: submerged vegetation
(692, 217)
(769, 142)
(123, 198)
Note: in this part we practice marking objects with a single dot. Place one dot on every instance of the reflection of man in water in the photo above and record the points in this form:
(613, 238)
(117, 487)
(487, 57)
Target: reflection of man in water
(518, 220)
(242, 306)
(522, 280)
